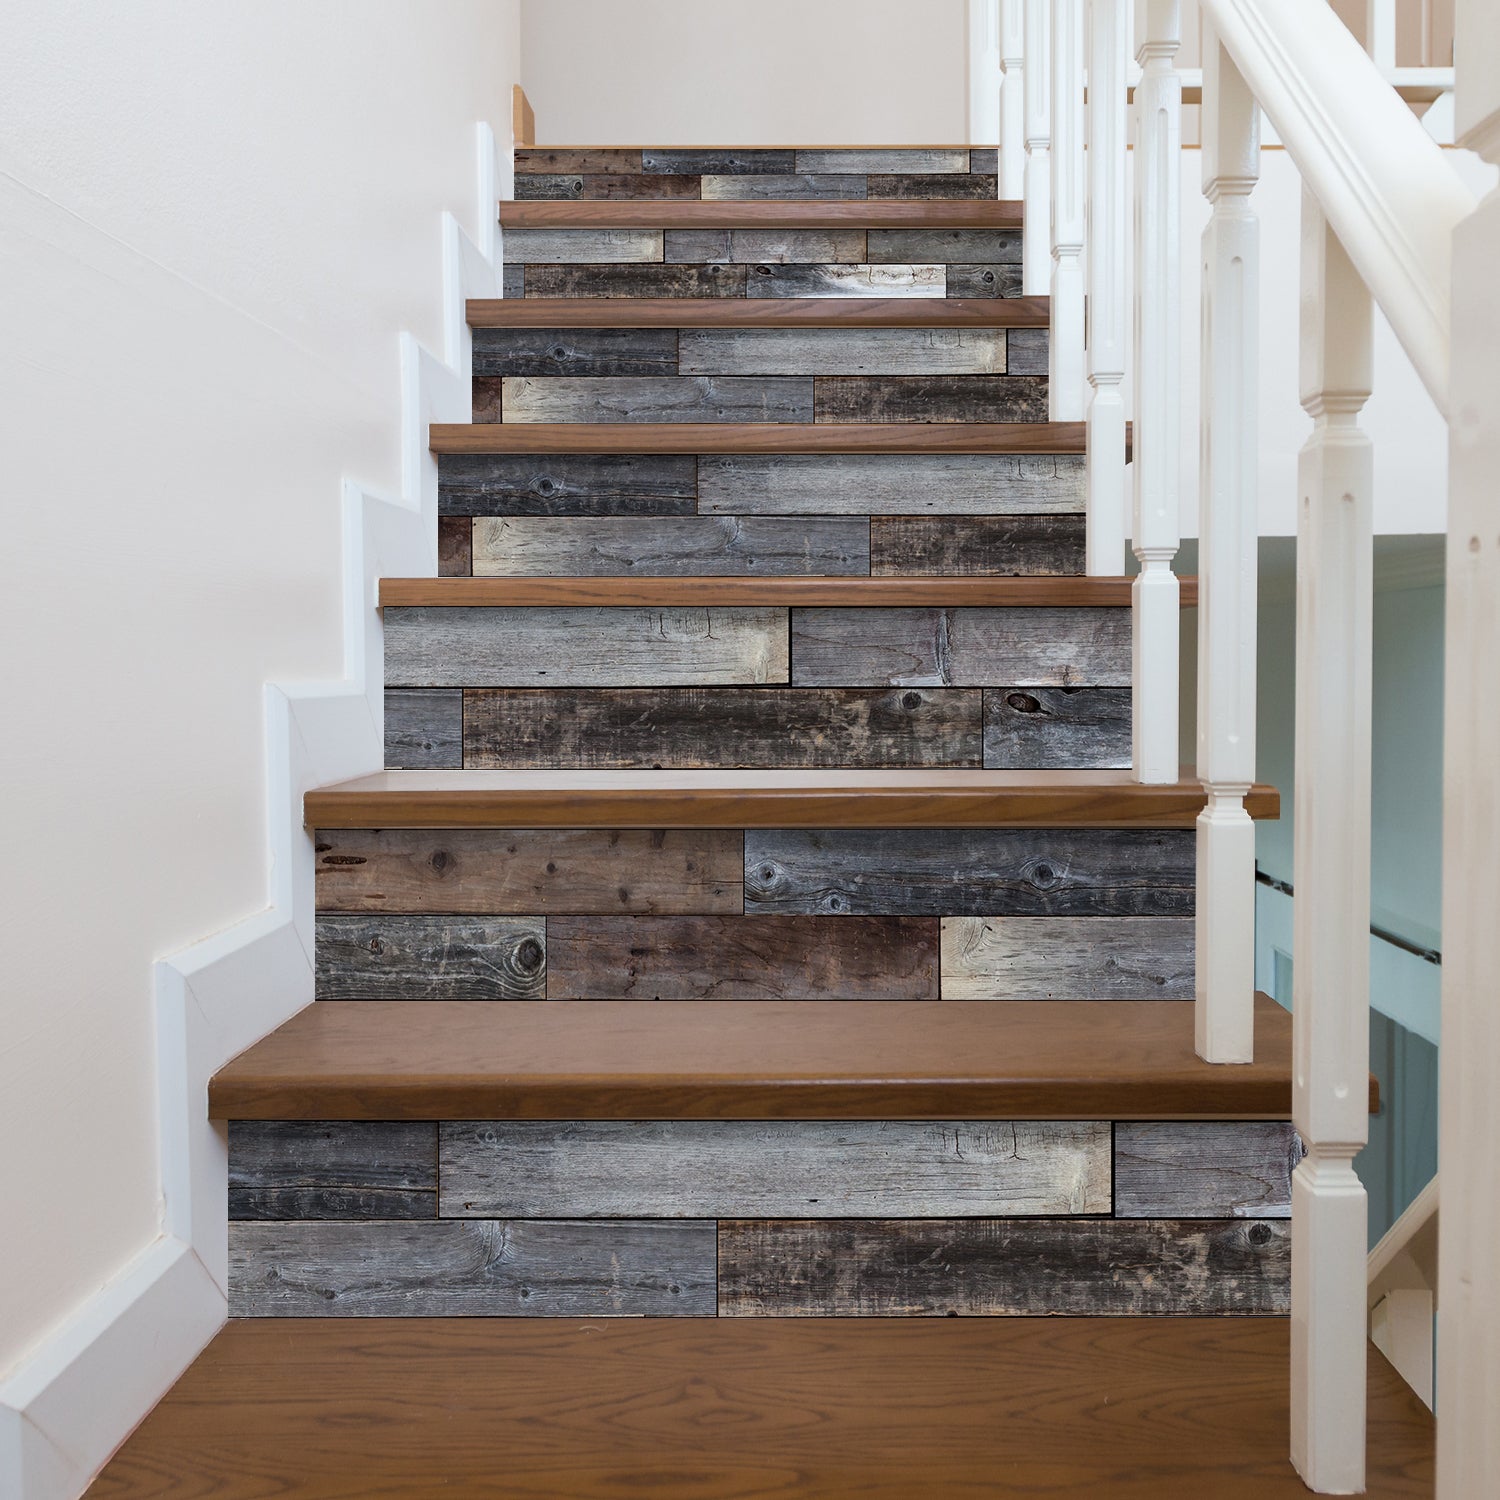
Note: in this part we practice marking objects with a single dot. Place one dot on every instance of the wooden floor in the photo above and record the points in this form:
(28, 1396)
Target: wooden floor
(1108, 1409)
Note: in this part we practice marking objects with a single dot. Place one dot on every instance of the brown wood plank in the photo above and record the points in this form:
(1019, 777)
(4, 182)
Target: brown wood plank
(729, 213)
(759, 312)
(748, 1060)
(762, 799)
(965, 1409)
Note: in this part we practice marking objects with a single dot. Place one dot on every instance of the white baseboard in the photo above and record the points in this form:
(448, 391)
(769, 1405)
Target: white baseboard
(67, 1407)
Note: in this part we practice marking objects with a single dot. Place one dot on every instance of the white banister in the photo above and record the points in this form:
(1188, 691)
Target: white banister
(1108, 302)
(1036, 235)
(1012, 158)
(1331, 861)
(1158, 389)
(1065, 384)
(1225, 990)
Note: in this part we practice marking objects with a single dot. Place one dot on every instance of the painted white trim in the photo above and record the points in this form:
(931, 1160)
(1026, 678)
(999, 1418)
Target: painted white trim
(70, 1404)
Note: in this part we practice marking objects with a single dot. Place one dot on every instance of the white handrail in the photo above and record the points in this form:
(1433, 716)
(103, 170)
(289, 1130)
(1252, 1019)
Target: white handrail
(1383, 182)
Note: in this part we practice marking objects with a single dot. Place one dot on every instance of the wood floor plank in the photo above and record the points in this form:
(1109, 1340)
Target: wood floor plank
(759, 312)
(765, 214)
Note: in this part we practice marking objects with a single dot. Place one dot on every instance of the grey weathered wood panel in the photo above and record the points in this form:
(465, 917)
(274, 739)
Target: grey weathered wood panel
(1014, 646)
(921, 159)
(585, 484)
(1082, 728)
(933, 185)
(424, 729)
(513, 281)
(931, 398)
(1067, 958)
(635, 281)
(1205, 1169)
(583, 646)
(778, 280)
(820, 1169)
(597, 187)
(526, 247)
(1053, 872)
(793, 246)
(984, 159)
(333, 1169)
(489, 871)
(617, 160)
(472, 1268)
(1026, 351)
(977, 546)
(742, 958)
(891, 484)
(697, 246)
(738, 161)
(666, 546)
(548, 186)
(984, 281)
(986, 1267)
(681, 728)
(784, 186)
(575, 351)
(697, 398)
(842, 351)
(943, 246)
(455, 555)
(390, 956)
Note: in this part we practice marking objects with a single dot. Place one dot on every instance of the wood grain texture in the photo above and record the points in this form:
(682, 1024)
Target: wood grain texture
(1002, 1267)
(1040, 726)
(932, 185)
(670, 398)
(424, 728)
(574, 351)
(774, 279)
(333, 1169)
(471, 1268)
(1027, 351)
(1057, 872)
(741, 958)
(977, 546)
(519, 871)
(1088, 958)
(1169, 1169)
(944, 247)
(593, 484)
(714, 1169)
(583, 647)
(596, 186)
(575, 159)
(999, 281)
(643, 280)
(753, 1060)
(969, 1409)
(931, 398)
(864, 351)
(760, 312)
(738, 160)
(583, 246)
(766, 214)
(677, 728)
(961, 647)
(783, 187)
(386, 956)
(455, 559)
(522, 116)
(752, 245)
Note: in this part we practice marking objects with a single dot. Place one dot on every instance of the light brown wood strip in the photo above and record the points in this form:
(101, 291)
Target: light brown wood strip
(759, 312)
(806, 213)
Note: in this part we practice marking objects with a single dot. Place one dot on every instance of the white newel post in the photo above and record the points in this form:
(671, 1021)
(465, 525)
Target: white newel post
(1108, 315)
(1158, 389)
(1065, 369)
(1225, 1015)
(1036, 237)
(1012, 159)
(1331, 868)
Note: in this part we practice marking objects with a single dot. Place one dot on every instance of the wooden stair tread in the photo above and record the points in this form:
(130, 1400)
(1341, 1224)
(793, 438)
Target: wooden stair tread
(761, 213)
(756, 437)
(759, 312)
(763, 799)
(751, 1060)
(789, 592)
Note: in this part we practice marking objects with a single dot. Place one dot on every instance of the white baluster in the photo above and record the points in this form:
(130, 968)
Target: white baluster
(1227, 564)
(1065, 386)
(1108, 314)
(1331, 940)
(1158, 389)
(1036, 238)
(1012, 100)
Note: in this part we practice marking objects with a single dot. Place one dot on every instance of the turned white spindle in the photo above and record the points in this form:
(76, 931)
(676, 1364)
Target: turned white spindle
(1225, 933)
(1036, 237)
(1331, 865)
(1065, 366)
(1108, 304)
(1158, 389)
(1012, 100)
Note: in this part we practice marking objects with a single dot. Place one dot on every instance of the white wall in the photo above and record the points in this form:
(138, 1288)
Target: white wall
(777, 72)
(216, 221)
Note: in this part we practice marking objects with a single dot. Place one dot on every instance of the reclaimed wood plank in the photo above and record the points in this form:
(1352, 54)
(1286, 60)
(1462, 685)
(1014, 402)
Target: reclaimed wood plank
(698, 246)
(741, 958)
(1054, 872)
(992, 546)
(1205, 1169)
(842, 351)
(512, 282)
(1056, 958)
(1026, 351)
(595, 187)
(575, 159)
(943, 484)
(860, 213)
(584, 647)
(783, 186)
(783, 246)
(934, 185)
(333, 1169)
(984, 281)
(960, 647)
(635, 281)
(409, 956)
(455, 547)
(731, 1169)
(576, 484)
(943, 246)
(528, 247)
(514, 871)
(774, 279)
(919, 159)
(687, 727)
(759, 312)
(931, 398)
(1000, 1267)
(575, 351)
(739, 161)
(472, 1268)
(984, 159)
(672, 398)
(424, 728)
(1084, 727)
